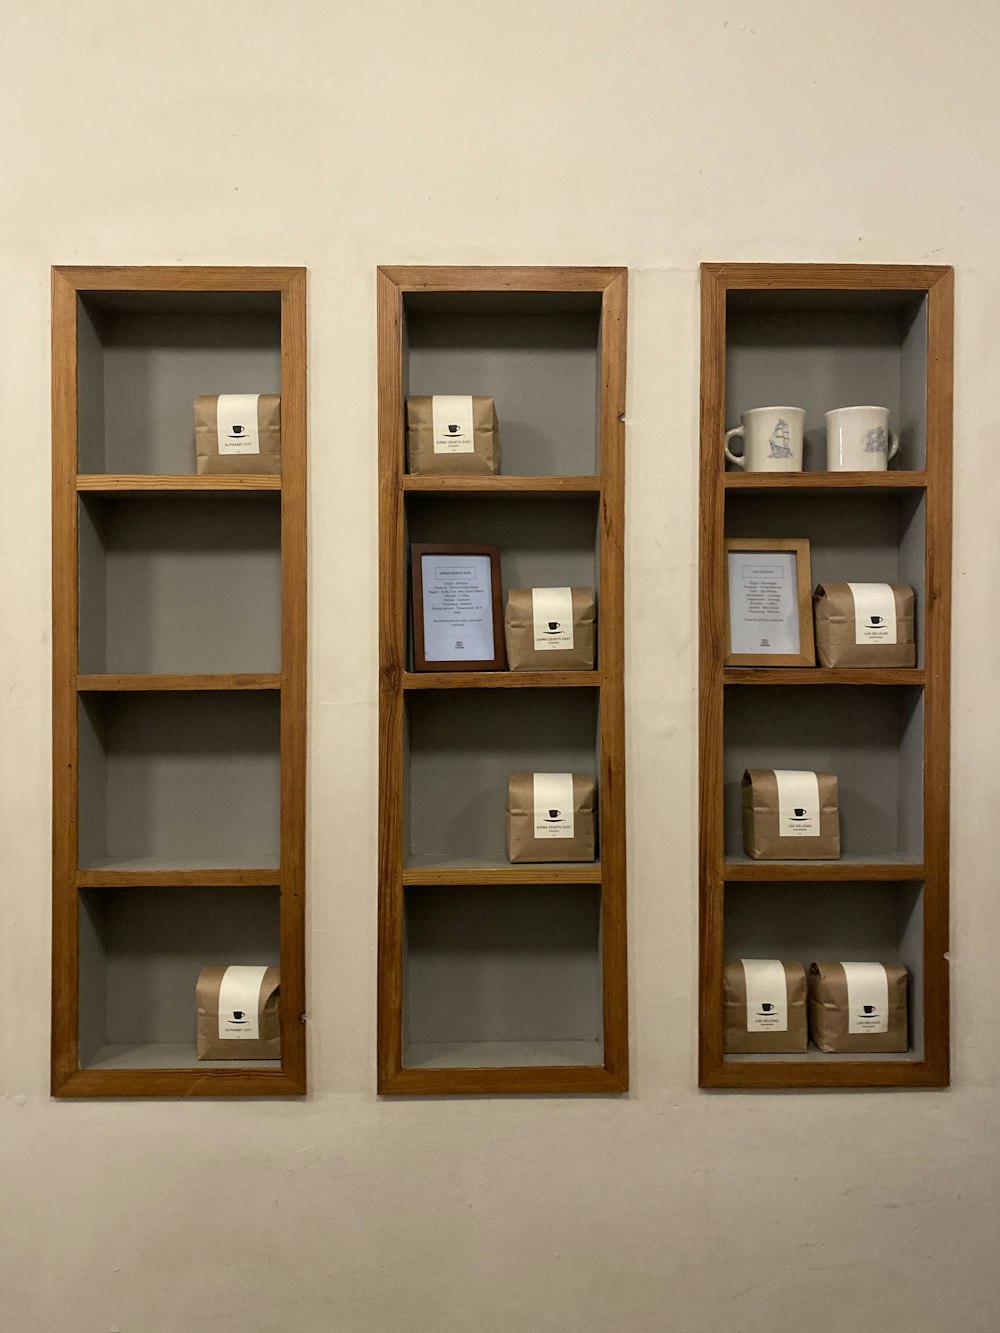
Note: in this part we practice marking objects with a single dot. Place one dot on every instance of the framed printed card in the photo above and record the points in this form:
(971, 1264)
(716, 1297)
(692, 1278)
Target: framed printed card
(769, 602)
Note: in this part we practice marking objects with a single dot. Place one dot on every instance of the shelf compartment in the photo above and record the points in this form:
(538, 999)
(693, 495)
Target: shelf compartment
(426, 870)
(502, 485)
(502, 977)
(872, 740)
(825, 481)
(170, 585)
(141, 951)
(538, 357)
(871, 537)
(193, 484)
(805, 922)
(501, 680)
(823, 676)
(461, 748)
(222, 681)
(175, 777)
(143, 361)
(862, 347)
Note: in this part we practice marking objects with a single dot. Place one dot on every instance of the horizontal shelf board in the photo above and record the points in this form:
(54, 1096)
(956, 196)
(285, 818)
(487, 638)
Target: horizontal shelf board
(518, 1080)
(500, 680)
(502, 1054)
(586, 485)
(738, 867)
(262, 1079)
(873, 1071)
(96, 481)
(426, 872)
(824, 481)
(167, 1055)
(822, 1057)
(229, 681)
(153, 873)
(823, 676)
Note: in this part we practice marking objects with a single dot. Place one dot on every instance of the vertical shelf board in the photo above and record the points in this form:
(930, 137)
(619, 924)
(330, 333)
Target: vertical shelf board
(808, 333)
(512, 331)
(126, 342)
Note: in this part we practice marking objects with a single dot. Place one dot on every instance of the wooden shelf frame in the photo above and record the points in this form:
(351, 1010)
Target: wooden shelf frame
(70, 286)
(935, 286)
(608, 287)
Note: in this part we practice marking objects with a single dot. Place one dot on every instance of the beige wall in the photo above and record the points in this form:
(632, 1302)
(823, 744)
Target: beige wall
(500, 131)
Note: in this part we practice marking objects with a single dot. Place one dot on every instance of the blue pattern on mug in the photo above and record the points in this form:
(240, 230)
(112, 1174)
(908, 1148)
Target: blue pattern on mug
(780, 447)
(875, 440)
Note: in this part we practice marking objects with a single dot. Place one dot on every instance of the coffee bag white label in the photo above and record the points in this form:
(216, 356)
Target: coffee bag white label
(798, 803)
(867, 997)
(239, 1000)
(236, 422)
(874, 613)
(767, 995)
(552, 614)
(451, 422)
(553, 805)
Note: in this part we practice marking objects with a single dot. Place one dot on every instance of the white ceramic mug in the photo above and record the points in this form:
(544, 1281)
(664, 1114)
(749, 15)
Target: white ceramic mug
(858, 439)
(772, 439)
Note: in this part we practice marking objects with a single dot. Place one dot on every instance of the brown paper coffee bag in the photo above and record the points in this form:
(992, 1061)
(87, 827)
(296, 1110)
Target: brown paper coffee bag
(238, 1013)
(790, 814)
(452, 434)
(238, 432)
(550, 629)
(550, 817)
(864, 625)
(858, 1007)
(764, 1006)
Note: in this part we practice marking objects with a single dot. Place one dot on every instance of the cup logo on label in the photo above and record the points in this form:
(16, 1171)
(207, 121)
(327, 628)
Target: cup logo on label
(767, 1008)
(239, 1016)
(875, 440)
(869, 1008)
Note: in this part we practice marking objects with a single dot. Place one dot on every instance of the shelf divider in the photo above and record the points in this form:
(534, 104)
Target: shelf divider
(823, 676)
(824, 481)
(501, 680)
(98, 481)
(259, 680)
(587, 485)
(581, 872)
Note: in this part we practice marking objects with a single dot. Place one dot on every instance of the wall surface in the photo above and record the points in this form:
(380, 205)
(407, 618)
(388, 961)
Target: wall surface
(340, 136)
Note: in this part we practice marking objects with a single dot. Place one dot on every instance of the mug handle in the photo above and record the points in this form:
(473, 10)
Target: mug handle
(738, 459)
(893, 445)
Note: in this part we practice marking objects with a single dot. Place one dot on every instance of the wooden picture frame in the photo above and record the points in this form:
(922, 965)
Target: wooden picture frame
(799, 547)
(498, 662)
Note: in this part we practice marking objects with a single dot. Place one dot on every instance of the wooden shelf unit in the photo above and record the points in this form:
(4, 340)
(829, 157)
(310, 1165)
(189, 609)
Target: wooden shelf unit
(823, 336)
(500, 978)
(179, 677)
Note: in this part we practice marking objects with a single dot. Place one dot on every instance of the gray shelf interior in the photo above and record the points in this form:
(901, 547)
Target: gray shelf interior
(180, 583)
(854, 537)
(460, 748)
(822, 350)
(536, 354)
(877, 922)
(175, 776)
(871, 737)
(141, 950)
(507, 974)
(145, 356)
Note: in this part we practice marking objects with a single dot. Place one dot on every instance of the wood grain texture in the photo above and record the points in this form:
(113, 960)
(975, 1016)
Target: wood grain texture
(392, 662)
(68, 1080)
(578, 872)
(139, 481)
(394, 680)
(230, 681)
(502, 680)
(932, 1071)
(65, 1055)
(476, 278)
(502, 485)
(824, 481)
(824, 676)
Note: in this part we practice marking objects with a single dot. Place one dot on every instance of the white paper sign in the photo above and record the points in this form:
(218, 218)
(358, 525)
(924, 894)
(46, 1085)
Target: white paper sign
(553, 795)
(236, 423)
(552, 616)
(867, 997)
(458, 608)
(239, 999)
(451, 422)
(874, 613)
(798, 803)
(763, 603)
(767, 995)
